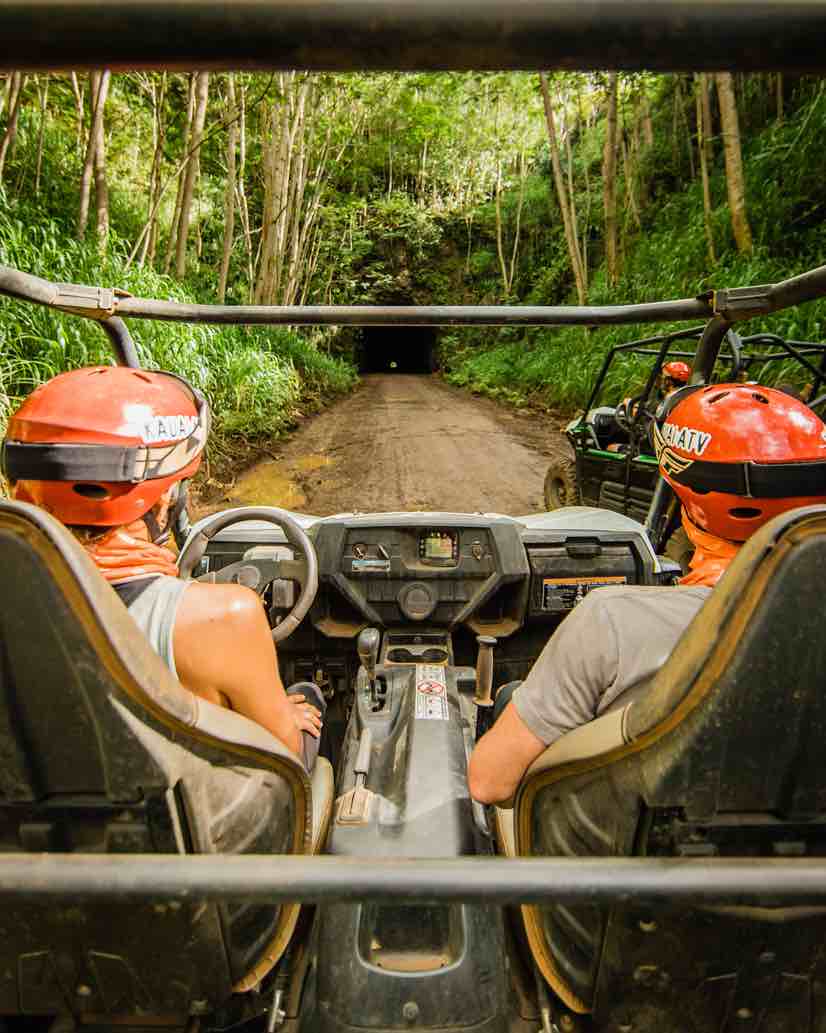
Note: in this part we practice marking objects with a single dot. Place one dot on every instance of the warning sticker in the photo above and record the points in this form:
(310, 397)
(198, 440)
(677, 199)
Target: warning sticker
(431, 693)
(568, 591)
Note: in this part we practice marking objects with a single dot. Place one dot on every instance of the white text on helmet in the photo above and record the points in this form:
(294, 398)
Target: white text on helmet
(686, 438)
(168, 428)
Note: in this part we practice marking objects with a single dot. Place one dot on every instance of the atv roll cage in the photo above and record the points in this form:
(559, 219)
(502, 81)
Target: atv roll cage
(426, 34)
(722, 308)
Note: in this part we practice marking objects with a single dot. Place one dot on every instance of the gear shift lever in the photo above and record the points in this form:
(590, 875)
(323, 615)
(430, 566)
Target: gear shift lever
(368, 651)
(484, 684)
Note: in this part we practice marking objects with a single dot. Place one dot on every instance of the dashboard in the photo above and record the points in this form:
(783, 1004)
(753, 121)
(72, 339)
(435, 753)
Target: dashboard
(486, 573)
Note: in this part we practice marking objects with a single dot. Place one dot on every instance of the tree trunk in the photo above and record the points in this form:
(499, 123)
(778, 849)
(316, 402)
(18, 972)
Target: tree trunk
(243, 209)
(631, 205)
(704, 150)
(681, 120)
(734, 163)
(77, 90)
(14, 102)
(568, 222)
(190, 178)
(101, 187)
(229, 189)
(500, 251)
(176, 211)
(150, 241)
(43, 95)
(7, 86)
(609, 182)
(647, 124)
(98, 87)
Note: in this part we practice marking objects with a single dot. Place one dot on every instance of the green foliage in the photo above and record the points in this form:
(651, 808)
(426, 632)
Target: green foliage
(786, 193)
(255, 378)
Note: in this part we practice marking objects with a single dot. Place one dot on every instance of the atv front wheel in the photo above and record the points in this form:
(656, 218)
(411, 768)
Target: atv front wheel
(561, 488)
(679, 548)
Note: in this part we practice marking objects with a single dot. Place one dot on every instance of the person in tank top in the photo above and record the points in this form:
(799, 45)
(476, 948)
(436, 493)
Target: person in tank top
(108, 451)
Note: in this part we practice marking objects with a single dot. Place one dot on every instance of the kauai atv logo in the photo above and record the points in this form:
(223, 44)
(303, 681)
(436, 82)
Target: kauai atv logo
(168, 428)
(671, 436)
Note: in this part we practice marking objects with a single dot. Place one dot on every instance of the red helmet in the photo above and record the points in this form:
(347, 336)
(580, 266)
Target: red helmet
(738, 454)
(100, 446)
(679, 371)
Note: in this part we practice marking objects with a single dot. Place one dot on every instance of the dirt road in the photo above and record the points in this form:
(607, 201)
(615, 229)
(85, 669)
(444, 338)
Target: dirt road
(407, 442)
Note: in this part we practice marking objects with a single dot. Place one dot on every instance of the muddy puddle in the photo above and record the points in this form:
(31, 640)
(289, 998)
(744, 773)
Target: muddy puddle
(276, 482)
(405, 443)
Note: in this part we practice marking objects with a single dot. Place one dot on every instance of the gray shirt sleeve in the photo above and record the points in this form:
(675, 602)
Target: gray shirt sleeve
(575, 669)
(614, 641)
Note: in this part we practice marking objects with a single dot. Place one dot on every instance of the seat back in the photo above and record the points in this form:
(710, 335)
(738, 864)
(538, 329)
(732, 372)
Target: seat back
(102, 751)
(723, 757)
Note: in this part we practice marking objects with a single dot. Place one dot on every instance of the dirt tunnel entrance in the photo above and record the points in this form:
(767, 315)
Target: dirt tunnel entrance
(402, 349)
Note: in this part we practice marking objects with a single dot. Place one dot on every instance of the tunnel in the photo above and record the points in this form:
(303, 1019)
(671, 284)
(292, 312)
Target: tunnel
(398, 349)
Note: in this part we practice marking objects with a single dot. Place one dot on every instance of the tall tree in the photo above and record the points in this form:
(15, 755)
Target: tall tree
(192, 170)
(735, 183)
(101, 186)
(609, 180)
(13, 104)
(508, 268)
(229, 188)
(181, 176)
(157, 95)
(98, 90)
(704, 148)
(43, 98)
(568, 217)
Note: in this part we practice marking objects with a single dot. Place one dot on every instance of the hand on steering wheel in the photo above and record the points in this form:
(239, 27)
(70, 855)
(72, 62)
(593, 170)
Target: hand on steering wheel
(258, 573)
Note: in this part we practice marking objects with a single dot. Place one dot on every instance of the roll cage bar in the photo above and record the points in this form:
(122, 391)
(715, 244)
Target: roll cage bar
(722, 308)
(415, 35)
(732, 347)
(322, 880)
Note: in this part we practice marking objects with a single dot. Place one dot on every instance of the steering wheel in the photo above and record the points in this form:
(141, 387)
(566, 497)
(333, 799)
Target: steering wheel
(257, 573)
(630, 413)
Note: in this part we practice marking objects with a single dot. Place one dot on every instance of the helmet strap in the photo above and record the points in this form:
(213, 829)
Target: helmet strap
(157, 534)
(178, 515)
(177, 520)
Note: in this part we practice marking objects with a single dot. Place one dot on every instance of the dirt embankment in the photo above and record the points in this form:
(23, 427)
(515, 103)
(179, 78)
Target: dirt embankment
(407, 442)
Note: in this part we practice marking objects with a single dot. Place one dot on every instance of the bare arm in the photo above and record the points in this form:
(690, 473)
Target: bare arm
(501, 758)
(561, 692)
(224, 649)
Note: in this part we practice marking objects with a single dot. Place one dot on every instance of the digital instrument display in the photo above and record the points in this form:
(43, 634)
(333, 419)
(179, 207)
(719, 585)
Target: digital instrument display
(439, 547)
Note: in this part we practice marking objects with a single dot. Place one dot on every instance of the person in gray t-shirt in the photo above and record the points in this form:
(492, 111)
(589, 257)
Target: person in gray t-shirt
(611, 645)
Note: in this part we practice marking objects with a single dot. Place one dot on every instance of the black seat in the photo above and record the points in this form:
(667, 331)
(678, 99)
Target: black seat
(724, 756)
(102, 750)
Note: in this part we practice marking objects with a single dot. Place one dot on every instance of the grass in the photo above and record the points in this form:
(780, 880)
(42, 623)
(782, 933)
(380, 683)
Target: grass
(257, 379)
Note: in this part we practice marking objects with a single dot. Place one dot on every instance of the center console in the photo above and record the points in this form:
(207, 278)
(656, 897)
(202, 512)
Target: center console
(403, 792)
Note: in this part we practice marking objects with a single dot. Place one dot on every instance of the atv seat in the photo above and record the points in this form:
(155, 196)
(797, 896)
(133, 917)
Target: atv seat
(102, 750)
(723, 756)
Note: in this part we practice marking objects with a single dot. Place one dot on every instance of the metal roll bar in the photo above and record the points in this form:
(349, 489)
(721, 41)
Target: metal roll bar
(342, 35)
(319, 880)
(726, 306)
